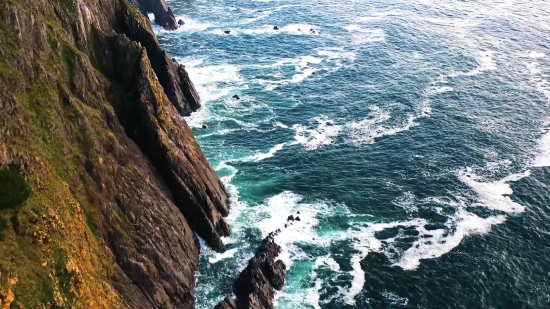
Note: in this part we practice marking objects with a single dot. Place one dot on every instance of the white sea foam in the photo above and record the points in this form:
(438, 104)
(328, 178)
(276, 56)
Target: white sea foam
(221, 256)
(313, 138)
(312, 294)
(435, 243)
(495, 194)
(395, 299)
(539, 78)
(437, 90)
(360, 132)
(278, 208)
(365, 241)
(543, 154)
(379, 16)
(261, 155)
(485, 61)
(191, 25)
(430, 243)
(326, 61)
(207, 79)
(361, 35)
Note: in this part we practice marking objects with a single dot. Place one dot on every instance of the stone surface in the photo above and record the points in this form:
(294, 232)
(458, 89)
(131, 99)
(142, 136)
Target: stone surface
(163, 13)
(255, 286)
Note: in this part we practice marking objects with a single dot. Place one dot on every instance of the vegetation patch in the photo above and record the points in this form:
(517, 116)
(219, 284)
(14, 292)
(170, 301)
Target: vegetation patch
(91, 225)
(13, 188)
(63, 276)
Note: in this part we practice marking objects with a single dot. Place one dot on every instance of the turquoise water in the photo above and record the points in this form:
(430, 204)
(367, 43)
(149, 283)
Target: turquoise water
(410, 135)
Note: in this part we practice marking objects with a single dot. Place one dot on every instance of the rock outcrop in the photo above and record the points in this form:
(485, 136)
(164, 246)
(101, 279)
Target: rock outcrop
(111, 184)
(255, 287)
(163, 13)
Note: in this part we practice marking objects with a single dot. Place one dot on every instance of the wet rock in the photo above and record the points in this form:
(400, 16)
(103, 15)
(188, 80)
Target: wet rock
(227, 303)
(227, 31)
(236, 97)
(275, 28)
(204, 126)
(181, 22)
(256, 285)
(163, 14)
(298, 212)
(297, 219)
(290, 218)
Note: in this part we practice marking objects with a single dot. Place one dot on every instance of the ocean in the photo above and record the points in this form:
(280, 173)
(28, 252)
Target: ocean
(412, 137)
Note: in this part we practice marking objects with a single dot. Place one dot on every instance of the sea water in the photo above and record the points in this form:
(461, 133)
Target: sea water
(411, 137)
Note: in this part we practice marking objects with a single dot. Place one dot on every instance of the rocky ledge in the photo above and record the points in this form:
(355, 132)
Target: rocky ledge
(255, 287)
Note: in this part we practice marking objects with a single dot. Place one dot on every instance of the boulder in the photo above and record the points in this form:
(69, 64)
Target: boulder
(181, 22)
(290, 218)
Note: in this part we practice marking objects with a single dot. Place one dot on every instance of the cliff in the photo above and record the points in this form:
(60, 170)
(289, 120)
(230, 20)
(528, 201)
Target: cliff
(102, 184)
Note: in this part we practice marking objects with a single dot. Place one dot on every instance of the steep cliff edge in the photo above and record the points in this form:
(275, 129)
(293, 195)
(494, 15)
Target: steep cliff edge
(102, 185)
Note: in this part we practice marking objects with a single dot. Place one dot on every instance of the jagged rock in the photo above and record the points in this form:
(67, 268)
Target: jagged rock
(236, 97)
(255, 285)
(172, 76)
(163, 14)
(181, 22)
(227, 303)
(168, 142)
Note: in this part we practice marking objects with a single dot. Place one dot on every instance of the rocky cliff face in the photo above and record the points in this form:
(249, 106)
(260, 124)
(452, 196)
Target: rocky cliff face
(102, 184)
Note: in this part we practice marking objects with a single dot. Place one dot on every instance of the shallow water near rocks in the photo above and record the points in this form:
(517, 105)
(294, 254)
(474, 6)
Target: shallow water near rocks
(412, 137)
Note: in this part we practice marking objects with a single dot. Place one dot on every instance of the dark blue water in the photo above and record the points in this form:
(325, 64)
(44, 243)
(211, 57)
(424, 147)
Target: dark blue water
(410, 135)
